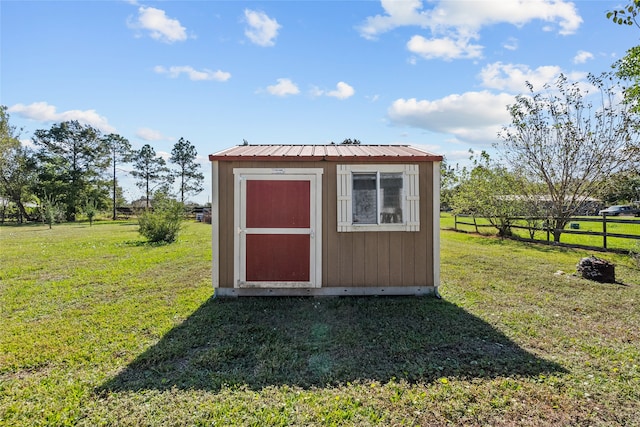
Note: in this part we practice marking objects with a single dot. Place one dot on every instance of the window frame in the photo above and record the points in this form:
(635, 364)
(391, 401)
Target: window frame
(410, 197)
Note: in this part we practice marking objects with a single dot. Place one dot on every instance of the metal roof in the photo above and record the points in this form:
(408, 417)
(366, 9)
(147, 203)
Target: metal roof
(335, 152)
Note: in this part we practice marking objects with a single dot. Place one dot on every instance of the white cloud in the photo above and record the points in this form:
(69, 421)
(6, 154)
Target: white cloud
(193, 74)
(342, 91)
(453, 23)
(160, 26)
(284, 87)
(471, 15)
(513, 77)
(261, 29)
(147, 134)
(445, 48)
(43, 112)
(398, 14)
(163, 154)
(582, 57)
(472, 116)
(26, 142)
(474, 15)
(510, 44)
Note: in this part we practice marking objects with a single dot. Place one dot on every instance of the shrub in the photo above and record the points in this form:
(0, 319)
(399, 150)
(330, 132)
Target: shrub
(163, 223)
(91, 210)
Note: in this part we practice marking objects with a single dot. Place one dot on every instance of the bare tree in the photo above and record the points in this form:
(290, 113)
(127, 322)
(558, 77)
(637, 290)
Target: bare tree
(570, 139)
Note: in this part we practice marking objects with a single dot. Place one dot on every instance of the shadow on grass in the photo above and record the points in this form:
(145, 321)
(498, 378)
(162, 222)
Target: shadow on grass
(309, 342)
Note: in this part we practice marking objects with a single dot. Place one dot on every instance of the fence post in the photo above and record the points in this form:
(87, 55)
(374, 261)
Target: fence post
(475, 223)
(604, 230)
(548, 227)
(455, 222)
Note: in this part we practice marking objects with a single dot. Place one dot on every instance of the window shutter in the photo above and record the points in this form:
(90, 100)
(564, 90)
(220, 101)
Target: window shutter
(413, 197)
(343, 175)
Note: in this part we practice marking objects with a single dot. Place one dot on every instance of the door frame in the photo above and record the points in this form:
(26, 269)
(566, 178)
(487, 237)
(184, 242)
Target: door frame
(314, 176)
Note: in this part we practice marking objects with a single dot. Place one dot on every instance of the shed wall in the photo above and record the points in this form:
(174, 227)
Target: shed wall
(349, 259)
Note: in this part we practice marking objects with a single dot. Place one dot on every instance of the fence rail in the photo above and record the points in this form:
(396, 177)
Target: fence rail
(542, 226)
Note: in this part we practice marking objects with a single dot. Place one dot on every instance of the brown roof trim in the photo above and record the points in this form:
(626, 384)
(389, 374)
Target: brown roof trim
(338, 152)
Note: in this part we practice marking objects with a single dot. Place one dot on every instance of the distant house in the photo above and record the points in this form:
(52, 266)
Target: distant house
(325, 220)
(141, 203)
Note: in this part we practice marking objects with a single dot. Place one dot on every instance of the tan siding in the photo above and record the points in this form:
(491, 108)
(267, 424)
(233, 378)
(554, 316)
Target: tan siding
(226, 225)
(358, 254)
(383, 259)
(396, 273)
(409, 261)
(370, 259)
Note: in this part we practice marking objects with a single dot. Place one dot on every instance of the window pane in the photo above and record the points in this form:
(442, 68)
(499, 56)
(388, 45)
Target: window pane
(391, 195)
(364, 198)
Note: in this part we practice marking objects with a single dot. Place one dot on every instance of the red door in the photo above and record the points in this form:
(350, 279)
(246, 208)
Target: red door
(277, 228)
(274, 254)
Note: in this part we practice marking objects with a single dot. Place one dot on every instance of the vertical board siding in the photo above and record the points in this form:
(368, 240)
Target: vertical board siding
(396, 273)
(358, 253)
(409, 262)
(383, 261)
(349, 259)
(370, 260)
(226, 225)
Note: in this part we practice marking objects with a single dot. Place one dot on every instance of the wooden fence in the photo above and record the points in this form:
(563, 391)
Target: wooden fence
(574, 227)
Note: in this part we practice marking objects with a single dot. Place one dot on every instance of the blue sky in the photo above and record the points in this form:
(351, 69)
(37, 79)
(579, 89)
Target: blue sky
(434, 74)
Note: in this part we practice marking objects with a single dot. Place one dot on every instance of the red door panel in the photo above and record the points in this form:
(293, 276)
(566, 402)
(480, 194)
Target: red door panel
(278, 204)
(278, 257)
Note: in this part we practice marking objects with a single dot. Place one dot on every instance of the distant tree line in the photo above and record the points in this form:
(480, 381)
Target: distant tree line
(74, 169)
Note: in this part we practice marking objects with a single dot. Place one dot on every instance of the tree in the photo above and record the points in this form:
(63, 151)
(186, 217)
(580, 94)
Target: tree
(569, 142)
(51, 211)
(91, 210)
(490, 191)
(190, 178)
(120, 150)
(73, 158)
(628, 68)
(448, 184)
(17, 167)
(627, 15)
(150, 171)
(623, 187)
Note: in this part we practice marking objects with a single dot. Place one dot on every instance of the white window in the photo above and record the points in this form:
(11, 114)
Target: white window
(378, 198)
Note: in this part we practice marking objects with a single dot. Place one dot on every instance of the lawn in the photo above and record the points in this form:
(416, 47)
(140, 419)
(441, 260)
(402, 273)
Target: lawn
(100, 329)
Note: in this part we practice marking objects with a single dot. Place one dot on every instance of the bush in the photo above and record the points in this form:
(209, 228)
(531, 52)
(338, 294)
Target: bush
(163, 223)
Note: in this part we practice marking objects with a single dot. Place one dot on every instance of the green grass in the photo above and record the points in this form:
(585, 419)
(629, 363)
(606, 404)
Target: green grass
(99, 328)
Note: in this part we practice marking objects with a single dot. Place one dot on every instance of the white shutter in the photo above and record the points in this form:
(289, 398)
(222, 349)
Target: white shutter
(413, 197)
(343, 175)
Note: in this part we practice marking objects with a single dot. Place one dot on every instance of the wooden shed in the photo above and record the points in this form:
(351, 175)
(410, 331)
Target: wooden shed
(325, 220)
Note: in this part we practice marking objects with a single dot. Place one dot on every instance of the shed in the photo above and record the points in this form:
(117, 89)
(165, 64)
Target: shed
(325, 220)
